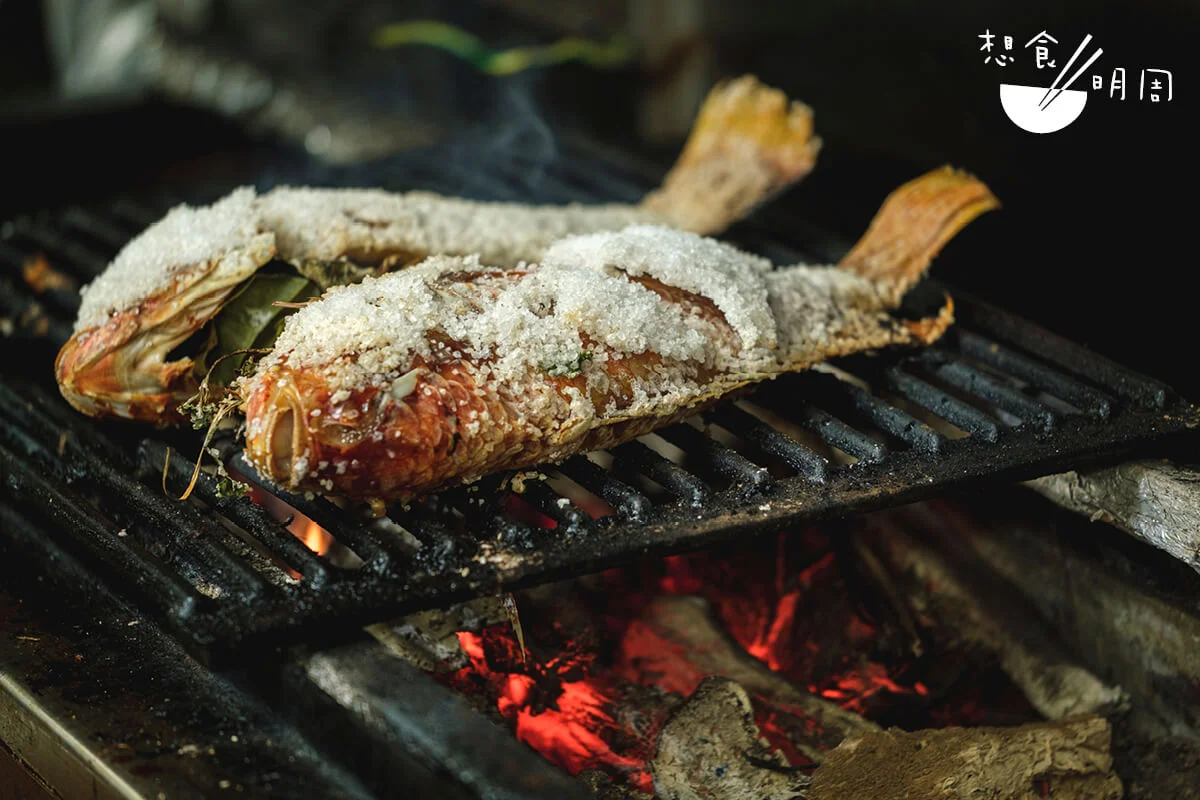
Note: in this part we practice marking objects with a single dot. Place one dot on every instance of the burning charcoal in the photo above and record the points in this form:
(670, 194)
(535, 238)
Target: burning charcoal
(711, 748)
(678, 638)
(1067, 760)
(964, 597)
(1156, 501)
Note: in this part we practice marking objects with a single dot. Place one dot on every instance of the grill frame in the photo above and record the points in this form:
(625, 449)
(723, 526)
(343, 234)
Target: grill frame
(79, 485)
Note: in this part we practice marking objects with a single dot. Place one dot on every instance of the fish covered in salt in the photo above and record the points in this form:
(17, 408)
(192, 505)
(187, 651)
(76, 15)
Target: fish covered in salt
(452, 369)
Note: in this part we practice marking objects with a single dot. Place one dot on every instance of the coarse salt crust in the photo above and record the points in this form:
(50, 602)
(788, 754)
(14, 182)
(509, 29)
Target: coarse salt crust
(185, 237)
(316, 223)
(730, 278)
(494, 361)
(811, 304)
(571, 313)
(537, 320)
(303, 224)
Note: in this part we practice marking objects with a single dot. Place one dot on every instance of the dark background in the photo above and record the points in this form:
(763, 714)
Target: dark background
(1094, 239)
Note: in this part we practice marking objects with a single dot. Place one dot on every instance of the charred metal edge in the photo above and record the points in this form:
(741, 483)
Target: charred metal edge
(99, 701)
(395, 726)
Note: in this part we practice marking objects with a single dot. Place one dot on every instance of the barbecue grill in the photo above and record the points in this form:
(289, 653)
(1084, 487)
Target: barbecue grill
(998, 399)
(161, 586)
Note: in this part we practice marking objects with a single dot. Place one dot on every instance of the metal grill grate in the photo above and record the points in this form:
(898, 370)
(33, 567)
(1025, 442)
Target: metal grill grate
(998, 398)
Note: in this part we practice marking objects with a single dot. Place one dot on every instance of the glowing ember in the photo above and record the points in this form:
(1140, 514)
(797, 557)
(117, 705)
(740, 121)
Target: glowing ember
(572, 728)
(518, 508)
(765, 648)
(854, 688)
(604, 674)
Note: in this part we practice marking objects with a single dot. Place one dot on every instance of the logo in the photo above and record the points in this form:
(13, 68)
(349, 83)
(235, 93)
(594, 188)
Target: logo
(1038, 108)
(1029, 108)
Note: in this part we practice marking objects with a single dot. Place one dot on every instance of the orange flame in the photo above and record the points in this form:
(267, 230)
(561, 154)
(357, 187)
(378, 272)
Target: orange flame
(315, 537)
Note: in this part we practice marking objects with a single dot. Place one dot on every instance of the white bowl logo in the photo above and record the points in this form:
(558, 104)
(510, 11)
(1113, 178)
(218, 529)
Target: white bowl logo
(1022, 105)
(1040, 109)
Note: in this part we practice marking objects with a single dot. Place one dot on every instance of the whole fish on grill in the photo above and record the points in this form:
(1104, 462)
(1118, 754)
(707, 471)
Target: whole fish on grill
(454, 369)
(151, 326)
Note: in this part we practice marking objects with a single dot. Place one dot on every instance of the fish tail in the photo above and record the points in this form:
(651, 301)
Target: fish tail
(912, 226)
(748, 143)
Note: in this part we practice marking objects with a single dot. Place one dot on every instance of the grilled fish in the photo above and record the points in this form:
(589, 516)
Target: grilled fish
(454, 369)
(748, 143)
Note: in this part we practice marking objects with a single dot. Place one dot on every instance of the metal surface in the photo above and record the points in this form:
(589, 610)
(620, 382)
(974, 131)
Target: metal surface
(997, 399)
(388, 720)
(96, 702)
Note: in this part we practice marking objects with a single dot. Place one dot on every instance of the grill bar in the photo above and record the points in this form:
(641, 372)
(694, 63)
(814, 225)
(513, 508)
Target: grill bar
(799, 457)
(1091, 401)
(838, 434)
(250, 517)
(62, 249)
(572, 519)
(1066, 355)
(430, 525)
(861, 405)
(943, 405)
(720, 459)
(972, 380)
(638, 457)
(370, 549)
(69, 511)
(629, 502)
(111, 237)
(182, 535)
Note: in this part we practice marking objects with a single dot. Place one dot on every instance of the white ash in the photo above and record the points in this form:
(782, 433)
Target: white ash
(712, 748)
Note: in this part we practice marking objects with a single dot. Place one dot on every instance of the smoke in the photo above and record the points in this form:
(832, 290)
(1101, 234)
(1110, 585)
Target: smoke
(523, 131)
(509, 144)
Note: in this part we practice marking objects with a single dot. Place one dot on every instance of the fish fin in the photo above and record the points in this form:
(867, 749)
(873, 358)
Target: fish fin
(914, 223)
(928, 330)
(748, 143)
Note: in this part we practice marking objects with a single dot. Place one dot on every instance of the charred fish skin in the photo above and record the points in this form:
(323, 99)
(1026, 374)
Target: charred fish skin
(449, 371)
(748, 143)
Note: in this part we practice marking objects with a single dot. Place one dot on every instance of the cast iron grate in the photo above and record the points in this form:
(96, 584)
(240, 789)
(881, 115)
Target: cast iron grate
(998, 398)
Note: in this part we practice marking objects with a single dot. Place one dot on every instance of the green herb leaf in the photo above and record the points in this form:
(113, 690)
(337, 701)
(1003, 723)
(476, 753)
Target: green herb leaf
(569, 369)
(248, 321)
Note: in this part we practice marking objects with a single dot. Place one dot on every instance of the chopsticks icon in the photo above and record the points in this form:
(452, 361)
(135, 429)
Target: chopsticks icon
(1044, 103)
